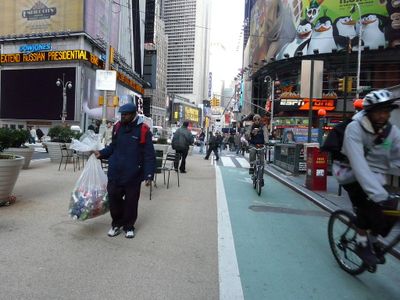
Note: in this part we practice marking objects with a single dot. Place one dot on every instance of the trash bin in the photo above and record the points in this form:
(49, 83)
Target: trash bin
(316, 175)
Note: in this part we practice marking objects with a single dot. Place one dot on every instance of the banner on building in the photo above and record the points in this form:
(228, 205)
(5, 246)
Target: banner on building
(282, 29)
(27, 17)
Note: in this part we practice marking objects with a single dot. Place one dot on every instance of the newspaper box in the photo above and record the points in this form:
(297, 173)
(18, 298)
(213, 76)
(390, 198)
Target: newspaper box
(317, 163)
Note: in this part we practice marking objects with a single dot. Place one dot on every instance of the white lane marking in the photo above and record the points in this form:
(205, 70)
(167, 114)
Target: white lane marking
(230, 286)
(227, 162)
(243, 162)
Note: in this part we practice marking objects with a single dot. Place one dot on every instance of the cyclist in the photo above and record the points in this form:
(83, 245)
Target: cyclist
(258, 136)
(372, 146)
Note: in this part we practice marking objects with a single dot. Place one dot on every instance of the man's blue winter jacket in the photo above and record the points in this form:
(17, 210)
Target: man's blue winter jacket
(128, 160)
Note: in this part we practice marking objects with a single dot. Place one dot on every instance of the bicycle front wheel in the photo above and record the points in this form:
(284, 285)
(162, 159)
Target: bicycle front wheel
(342, 240)
(260, 175)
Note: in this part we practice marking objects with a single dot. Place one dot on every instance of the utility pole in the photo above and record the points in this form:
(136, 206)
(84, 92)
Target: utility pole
(108, 12)
(346, 74)
(311, 102)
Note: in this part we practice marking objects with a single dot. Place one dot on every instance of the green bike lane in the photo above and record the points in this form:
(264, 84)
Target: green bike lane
(282, 249)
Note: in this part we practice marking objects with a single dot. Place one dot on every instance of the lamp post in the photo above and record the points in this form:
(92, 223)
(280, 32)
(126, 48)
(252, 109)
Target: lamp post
(359, 47)
(271, 81)
(64, 85)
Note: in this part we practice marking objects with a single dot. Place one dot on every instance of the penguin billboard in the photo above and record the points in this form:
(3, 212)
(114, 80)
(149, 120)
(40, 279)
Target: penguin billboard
(282, 29)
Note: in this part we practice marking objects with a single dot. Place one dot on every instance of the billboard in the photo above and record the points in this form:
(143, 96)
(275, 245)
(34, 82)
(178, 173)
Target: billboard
(40, 98)
(96, 24)
(283, 28)
(29, 16)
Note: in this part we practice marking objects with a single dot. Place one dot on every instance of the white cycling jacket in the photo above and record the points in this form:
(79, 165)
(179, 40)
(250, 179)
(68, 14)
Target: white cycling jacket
(370, 162)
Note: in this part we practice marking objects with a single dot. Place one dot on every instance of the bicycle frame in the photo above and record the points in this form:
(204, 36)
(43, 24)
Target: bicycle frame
(258, 174)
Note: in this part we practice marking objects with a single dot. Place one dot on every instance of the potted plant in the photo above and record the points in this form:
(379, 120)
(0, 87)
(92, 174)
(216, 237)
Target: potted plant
(59, 134)
(10, 166)
(17, 139)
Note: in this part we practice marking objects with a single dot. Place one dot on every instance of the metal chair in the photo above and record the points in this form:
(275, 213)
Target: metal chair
(169, 163)
(68, 155)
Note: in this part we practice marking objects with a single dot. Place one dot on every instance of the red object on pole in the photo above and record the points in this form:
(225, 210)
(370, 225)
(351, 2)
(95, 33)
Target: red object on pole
(317, 165)
(321, 112)
(358, 104)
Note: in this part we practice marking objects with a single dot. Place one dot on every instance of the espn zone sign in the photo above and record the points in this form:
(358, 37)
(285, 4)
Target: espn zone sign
(304, 104)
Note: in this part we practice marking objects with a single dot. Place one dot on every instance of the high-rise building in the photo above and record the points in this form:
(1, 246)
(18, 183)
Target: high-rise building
(187, 26)
(155, 63)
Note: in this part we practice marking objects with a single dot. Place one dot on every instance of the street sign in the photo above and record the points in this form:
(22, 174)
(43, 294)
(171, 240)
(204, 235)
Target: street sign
(106, 80)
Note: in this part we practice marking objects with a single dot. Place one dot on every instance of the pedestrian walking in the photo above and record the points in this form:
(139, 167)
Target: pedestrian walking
(237, 142)
(219, 141)
(131, 160)
(32, 135)
(181, 141)
(202, 137)
(107, 135)
(212, 146)
(244, 143)
(39, 134)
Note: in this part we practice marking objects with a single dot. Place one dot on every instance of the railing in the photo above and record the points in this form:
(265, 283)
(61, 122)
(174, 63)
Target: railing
(287, 157)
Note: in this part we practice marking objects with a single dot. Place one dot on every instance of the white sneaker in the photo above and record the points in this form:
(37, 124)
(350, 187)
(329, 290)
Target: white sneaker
(114, 231)
(130, 234)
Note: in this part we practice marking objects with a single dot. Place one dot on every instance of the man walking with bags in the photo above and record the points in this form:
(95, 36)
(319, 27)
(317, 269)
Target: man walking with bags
(181, 141)
(131, 160)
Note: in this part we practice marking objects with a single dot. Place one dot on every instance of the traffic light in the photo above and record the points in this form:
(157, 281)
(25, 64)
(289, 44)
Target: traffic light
(341, 85)
(112, 55)
(349, 84)
(101, 100)
(115, 101)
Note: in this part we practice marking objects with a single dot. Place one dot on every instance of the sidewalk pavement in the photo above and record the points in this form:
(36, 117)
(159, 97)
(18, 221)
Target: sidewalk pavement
(329, 200)
(47, 255)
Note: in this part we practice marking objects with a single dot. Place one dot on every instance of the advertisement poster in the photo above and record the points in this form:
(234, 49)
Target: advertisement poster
(29, 16)
(283, 28)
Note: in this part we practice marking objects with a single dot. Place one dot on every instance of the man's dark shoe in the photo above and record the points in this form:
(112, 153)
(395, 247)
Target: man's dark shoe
(217, 158)
(182, 171)
(251, 170)
(378, 249)
(206, 158)
(366, 254)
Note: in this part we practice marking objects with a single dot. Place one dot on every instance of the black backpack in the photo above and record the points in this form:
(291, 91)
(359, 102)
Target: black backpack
(334, 141)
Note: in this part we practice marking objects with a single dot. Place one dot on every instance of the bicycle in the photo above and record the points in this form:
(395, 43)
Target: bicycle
(258, 173)
(342, 233)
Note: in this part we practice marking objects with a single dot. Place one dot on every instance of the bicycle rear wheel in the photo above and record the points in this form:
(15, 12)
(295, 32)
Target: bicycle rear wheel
(254, 176)
(342, 240)
(259, 180)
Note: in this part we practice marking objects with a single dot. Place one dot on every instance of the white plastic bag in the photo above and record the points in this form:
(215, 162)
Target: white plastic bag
(89, 198)
(89, 141)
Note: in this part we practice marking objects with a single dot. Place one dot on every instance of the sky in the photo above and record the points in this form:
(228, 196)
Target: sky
(226, 39)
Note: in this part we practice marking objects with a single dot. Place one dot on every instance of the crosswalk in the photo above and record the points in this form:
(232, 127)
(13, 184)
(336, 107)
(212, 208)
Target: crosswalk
(233, 161)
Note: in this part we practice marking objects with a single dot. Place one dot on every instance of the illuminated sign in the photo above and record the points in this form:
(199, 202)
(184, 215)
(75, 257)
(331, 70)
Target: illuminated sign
(64, 55)
(290, 102)
(35, 48)
(327, 104)
(191, 114)
(67, 55)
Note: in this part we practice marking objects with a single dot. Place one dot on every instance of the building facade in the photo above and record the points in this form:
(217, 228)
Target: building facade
(43, 41)
(284, 34)
(155, 65)
(187, 26)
